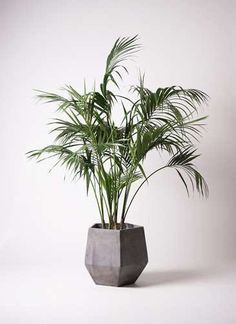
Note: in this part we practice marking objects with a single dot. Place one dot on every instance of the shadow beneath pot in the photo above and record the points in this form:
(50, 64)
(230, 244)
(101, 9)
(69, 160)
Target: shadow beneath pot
(156, 277)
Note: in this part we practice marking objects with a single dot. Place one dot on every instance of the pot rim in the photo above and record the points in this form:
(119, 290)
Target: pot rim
(97, 226)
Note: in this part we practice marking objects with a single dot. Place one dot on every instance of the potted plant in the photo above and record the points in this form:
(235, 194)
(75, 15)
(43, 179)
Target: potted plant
(109, 156)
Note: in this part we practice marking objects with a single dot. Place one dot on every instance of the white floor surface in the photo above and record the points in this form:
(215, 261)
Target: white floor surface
(56, 295)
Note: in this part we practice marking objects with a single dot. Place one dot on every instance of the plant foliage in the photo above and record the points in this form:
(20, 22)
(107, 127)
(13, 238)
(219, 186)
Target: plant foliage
(109, 157)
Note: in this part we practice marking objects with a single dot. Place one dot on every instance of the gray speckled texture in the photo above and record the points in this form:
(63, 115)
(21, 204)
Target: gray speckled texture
(116, 257)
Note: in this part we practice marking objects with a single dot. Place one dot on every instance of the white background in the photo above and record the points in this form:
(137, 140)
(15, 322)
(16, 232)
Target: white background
(44, 219)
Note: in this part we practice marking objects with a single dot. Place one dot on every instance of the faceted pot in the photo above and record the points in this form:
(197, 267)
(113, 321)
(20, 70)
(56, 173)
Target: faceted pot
(116, 257)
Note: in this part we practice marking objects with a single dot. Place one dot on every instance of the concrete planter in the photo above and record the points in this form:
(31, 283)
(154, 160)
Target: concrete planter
(116, 257)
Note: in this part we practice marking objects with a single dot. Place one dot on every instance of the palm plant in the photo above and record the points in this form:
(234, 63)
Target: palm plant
(110, 156)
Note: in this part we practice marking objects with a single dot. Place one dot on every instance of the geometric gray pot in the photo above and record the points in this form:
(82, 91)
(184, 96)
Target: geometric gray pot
(116, 257)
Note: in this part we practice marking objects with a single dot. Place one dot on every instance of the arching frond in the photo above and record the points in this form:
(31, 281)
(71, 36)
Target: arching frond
(182, 162)
(123, 49)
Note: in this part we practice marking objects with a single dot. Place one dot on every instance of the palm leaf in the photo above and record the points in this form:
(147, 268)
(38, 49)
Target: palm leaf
(183, 161)
(122, 50)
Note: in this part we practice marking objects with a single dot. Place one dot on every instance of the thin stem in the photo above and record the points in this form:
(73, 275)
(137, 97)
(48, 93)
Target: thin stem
(126, 195)
(101, 212)
(101, 194)
(140, 188)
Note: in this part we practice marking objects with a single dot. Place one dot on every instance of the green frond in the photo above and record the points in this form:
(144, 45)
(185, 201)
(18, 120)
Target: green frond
(182, 162)
(122, 50)
(129, 178)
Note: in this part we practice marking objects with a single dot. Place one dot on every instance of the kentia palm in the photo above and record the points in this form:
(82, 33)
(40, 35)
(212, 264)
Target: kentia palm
(110, 156)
